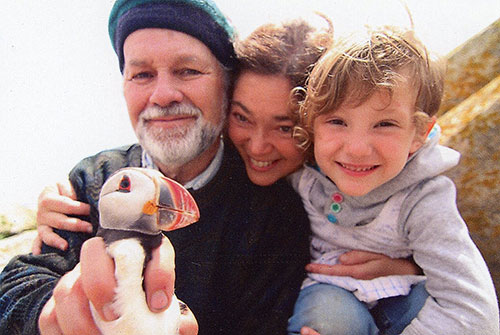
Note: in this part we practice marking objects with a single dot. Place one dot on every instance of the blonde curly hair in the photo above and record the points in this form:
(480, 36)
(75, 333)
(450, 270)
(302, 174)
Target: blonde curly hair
(354, 68)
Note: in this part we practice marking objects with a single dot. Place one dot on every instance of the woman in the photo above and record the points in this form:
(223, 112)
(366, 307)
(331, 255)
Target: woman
(273, 60)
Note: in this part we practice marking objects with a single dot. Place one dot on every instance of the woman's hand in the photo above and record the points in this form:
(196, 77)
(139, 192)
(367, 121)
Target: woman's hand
(366, 265)
(55, 203)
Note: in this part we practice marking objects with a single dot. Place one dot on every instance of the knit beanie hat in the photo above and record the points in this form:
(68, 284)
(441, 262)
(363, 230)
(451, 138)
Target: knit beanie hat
(201, 19)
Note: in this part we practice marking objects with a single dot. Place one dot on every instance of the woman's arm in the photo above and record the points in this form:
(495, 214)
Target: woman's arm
(367, 265)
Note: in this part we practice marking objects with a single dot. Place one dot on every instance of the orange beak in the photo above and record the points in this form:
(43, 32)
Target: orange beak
(175, 206)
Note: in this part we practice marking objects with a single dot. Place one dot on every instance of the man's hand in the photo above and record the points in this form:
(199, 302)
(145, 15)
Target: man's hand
(68, 310)
(366, 265)
(55, 203)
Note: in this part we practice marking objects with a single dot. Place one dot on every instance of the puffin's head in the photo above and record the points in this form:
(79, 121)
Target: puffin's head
(144, 200)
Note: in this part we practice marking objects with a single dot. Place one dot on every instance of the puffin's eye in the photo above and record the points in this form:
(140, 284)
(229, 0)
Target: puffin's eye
(124, 184)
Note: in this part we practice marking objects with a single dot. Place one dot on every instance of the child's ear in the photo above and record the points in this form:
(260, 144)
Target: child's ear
(423, 131)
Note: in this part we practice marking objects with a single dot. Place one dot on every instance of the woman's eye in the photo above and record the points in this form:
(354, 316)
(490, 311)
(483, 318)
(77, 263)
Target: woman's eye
(286, 129)
(239, 117)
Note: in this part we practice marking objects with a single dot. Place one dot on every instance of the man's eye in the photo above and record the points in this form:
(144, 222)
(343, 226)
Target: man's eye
(189, 72)
(142, 75)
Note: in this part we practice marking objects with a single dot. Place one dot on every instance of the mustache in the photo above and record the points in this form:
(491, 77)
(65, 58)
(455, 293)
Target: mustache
(175, 109)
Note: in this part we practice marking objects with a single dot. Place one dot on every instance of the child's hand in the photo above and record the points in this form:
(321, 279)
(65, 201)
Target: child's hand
(366, 265)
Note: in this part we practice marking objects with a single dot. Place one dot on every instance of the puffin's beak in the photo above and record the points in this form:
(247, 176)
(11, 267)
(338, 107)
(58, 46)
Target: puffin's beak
(176, 206)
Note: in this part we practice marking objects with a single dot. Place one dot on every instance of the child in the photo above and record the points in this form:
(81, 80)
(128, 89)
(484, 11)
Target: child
(370, 105)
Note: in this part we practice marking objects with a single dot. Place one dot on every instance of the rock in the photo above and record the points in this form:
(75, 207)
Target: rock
(18, 223)
(471, 66)
(16, 220)
(473, 129)
(15, 245)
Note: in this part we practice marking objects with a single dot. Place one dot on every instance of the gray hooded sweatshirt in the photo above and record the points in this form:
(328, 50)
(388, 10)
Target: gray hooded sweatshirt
(414, 214)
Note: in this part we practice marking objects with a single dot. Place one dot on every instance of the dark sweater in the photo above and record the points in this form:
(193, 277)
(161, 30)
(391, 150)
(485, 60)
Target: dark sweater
(239, 268)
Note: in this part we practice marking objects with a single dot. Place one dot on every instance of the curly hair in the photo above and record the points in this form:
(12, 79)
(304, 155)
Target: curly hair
(289, 49)
(354, 68)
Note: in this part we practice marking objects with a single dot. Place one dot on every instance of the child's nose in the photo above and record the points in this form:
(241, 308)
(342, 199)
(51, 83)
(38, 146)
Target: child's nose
(358, 146)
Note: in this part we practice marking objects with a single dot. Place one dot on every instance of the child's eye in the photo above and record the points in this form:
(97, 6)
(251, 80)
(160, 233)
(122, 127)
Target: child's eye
(337, 122)
(385, 124)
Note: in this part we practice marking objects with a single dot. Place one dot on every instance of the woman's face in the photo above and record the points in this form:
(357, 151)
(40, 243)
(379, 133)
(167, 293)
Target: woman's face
(261, 129)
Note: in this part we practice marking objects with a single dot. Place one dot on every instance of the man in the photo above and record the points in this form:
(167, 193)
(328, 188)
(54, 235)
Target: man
(240, 267)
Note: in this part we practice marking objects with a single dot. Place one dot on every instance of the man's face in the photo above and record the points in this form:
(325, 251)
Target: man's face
(175, 94)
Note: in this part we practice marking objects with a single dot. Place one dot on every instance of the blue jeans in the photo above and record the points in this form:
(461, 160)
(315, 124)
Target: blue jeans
(332, 310)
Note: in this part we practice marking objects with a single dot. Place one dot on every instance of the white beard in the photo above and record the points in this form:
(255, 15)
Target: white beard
(176, 147)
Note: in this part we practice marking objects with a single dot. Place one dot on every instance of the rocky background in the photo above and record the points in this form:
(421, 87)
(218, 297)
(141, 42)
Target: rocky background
(17, 231)
(470, 122)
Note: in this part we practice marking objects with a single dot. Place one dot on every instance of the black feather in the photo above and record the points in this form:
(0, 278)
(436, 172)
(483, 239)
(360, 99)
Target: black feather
(148, 242)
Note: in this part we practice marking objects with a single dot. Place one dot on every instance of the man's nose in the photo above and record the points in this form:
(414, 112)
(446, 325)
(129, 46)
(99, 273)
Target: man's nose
(166, 91)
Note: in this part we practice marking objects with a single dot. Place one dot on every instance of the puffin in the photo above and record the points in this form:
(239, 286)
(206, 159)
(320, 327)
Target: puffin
(135, 206)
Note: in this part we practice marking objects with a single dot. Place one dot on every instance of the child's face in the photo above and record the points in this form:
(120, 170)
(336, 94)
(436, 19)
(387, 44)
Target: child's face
(361, 147)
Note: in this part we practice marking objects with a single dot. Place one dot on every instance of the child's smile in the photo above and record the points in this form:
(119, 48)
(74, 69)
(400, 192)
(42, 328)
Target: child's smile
(361, 147)
(357, 170)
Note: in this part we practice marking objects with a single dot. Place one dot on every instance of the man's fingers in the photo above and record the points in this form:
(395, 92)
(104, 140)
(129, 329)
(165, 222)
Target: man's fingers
(98, 279)
(159, 277)
(47, 322)
(72, 306)
(188, 324)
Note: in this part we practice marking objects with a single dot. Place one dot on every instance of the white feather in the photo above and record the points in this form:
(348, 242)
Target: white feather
(130, 300)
